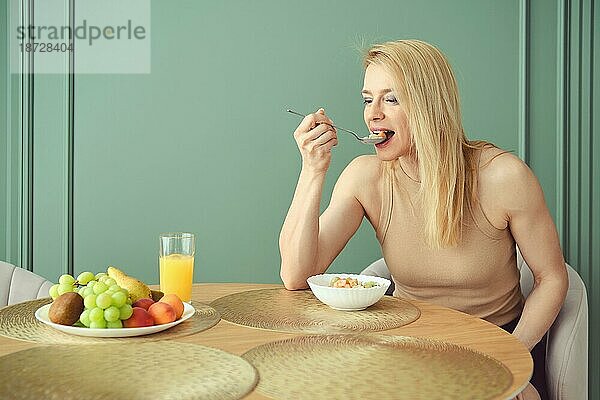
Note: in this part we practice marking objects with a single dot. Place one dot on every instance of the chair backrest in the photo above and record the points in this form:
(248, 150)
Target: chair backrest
(18, 284)
(379, 268)
(567, 346)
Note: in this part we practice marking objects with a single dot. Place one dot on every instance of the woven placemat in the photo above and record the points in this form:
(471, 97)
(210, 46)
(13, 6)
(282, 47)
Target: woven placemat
(301, 311)
(18, 322)
(154, 370)
(375, 367)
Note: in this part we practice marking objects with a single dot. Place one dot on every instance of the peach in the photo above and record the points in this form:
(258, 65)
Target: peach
(174, 301)
(138, 319)
(162, 313)
(144, 303)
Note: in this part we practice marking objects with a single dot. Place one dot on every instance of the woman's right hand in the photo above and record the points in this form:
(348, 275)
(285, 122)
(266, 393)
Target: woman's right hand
(315, 136)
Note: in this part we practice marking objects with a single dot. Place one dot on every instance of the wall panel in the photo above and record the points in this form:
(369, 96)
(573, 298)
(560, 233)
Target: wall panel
(582, 187)
(51, 122)
(4, 127)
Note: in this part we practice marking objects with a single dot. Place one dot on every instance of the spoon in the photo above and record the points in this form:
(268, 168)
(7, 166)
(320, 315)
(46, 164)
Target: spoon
(365, 140)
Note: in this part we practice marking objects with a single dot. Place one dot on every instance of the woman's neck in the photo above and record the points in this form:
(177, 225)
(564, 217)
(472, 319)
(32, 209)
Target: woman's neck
(410, 167)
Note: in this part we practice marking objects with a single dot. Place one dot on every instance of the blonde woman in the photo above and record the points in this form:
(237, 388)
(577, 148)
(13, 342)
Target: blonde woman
(447, 211)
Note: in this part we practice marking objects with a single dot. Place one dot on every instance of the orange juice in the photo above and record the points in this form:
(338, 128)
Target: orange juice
(176, 275)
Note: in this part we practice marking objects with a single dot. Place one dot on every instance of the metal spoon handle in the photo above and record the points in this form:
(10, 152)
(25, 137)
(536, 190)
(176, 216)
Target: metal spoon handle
(337, 127)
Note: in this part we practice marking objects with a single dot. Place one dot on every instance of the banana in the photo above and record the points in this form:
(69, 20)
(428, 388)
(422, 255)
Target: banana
(136, 288)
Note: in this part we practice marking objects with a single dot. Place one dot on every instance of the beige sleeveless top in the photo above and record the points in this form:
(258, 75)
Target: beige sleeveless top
(478, 277)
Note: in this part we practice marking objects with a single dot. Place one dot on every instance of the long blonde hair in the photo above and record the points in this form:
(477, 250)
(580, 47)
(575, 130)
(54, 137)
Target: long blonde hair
(447, 162)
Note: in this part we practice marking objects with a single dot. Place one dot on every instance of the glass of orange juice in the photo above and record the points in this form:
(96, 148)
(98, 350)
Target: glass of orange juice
(176, 264)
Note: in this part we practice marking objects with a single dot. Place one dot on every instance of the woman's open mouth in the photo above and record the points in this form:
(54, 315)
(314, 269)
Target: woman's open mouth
(382, 134)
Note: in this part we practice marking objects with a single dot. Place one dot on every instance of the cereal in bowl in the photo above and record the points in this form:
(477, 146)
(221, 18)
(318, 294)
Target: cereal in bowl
(349, 283)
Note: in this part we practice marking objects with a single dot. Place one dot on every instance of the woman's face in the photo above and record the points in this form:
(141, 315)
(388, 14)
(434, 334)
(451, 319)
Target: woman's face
(384, 112)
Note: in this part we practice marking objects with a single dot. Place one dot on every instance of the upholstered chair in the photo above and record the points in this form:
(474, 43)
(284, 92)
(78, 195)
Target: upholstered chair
(18, 284)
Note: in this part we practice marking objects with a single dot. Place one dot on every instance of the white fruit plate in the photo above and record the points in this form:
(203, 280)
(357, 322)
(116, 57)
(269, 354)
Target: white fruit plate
(41, 315)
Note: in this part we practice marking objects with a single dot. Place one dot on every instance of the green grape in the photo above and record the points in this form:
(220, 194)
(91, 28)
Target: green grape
(87, 291)
(66, 279)
(85, 277)
(100, 287)
(125, 312)
(103, 300)
(115, 288)
(128, 301)
(79, 324)
(114, 324)
(111, 314)
(64, 288)
(91, 284)
(89, 301)
(125, 291)
(53, 292)
(119, 299)
(96, 314)
(101, 324)
(81, 291)
(100, 275)
(109, 282)
(85, 318)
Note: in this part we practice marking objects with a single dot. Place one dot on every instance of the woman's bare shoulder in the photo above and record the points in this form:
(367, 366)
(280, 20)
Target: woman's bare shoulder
(362, 178)
(505, 183)
(363, 168)
(500, 167)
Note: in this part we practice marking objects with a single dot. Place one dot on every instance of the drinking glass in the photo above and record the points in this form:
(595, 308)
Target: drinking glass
(176, 264)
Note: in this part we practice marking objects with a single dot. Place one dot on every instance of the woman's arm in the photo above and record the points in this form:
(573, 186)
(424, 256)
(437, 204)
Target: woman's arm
(309, 243)
(522, 199)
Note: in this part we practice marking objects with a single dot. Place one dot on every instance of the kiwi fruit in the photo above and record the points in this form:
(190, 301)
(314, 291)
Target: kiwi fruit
(66, 309)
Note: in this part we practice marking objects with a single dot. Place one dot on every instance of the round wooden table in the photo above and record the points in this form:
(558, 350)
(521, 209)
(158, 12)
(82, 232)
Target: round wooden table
(435, 322)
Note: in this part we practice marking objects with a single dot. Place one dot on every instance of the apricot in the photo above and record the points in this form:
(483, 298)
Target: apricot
(162, 313)
(138, 319)
(144, 303)
(174, 301)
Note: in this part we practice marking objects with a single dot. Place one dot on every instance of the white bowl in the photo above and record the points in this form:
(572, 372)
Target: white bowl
(348, 299)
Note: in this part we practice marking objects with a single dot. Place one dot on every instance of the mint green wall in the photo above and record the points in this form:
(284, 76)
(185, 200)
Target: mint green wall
(50, 189)
(3, 129)
(203, 144)
(563, 111)
(543, 125)
(10, 117)
(50, 148)
(594, 237)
